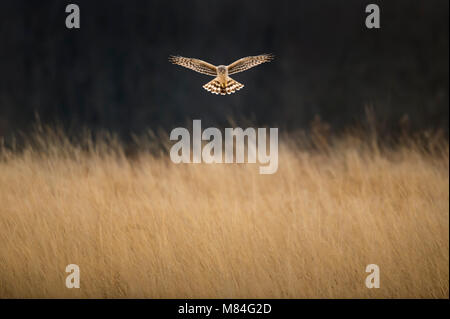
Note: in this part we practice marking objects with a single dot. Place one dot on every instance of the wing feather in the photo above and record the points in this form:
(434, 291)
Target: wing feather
(194, 64)
(248, 62)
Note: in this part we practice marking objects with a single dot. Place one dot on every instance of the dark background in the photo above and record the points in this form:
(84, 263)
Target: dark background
(113, 73)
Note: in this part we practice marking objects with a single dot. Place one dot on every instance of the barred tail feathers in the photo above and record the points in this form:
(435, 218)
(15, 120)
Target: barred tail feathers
(216, 87)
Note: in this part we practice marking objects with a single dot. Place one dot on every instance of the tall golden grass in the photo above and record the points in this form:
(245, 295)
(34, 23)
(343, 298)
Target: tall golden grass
(142, 227)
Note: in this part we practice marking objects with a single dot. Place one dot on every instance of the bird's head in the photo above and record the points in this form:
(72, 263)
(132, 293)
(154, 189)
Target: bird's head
(221, 69)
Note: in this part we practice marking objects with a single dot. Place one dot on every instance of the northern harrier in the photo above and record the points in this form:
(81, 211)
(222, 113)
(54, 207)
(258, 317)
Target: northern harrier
(222, 83)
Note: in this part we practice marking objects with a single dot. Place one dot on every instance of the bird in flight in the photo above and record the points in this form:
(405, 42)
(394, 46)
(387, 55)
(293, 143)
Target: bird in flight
(222, 83)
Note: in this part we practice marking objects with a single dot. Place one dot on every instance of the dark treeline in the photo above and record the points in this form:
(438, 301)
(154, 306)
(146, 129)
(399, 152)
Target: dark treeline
(113, 73)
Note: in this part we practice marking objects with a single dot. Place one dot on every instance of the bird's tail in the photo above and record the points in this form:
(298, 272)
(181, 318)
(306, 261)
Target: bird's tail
(216, 87)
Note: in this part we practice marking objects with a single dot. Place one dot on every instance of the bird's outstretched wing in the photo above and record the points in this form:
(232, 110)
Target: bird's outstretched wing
(194, 64)
(248, 62)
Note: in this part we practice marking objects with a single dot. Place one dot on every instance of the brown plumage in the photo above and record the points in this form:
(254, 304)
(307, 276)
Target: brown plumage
(222, 83)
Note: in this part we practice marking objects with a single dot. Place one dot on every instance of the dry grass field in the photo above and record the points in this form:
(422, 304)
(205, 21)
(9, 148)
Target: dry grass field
(142, 227)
